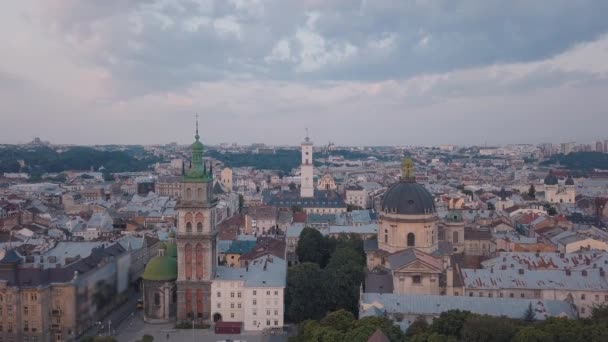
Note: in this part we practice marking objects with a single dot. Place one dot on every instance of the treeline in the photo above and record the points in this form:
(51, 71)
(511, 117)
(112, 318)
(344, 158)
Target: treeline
(456, 326)
(328, 277)
(586, 161)
(40, 160)
(283, 160)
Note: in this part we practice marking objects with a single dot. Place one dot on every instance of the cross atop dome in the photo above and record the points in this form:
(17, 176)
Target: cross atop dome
(407, 170)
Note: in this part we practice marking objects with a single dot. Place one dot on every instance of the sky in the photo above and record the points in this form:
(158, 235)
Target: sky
(365, 72)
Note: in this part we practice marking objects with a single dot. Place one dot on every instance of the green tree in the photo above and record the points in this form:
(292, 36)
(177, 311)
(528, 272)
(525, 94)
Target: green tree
(450, 323)
(305, 299)
(418, 327)
(340, 320)
(551, 211)
(344, 274)
(312, 247)
(241, 202)
(369, 325)
(563, 329)
(529, 315)
(532, 191)
(479, 328)
(531, 334)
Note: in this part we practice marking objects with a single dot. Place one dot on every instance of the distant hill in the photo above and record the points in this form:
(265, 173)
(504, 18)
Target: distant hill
(585, 161)
(40, 160)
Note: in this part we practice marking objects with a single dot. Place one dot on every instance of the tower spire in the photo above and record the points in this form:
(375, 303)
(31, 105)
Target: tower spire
(197, 137)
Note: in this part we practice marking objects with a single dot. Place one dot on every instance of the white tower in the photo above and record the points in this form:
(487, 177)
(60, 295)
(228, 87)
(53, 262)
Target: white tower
(307, 182)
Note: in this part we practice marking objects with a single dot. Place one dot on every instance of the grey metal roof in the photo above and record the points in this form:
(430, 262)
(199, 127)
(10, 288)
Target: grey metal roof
(431, 305)
(261, 272)
(535, 279)
(363, 229)
(576, 261)
(407, 198)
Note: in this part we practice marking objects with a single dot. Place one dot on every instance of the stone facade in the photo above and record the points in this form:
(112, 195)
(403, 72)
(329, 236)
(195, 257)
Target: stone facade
(161, 299)
(196, 250)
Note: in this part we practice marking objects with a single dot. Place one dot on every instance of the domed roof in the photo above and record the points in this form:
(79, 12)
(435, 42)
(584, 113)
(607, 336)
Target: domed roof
(408, 198)
(197, 146)
(551, 179)
(171, 250)
(161, 268)
(569, 180)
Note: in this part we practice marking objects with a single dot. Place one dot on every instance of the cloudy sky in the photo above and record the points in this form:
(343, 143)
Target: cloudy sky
(365, 72)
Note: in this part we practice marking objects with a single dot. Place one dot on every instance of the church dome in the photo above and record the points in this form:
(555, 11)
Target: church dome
(408, 198)
(569, 180)
(551, 179)
(161, 268)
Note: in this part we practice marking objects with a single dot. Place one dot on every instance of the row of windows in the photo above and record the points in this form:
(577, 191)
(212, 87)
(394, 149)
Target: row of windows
(238, 294)
(238, 305)
(257, 324)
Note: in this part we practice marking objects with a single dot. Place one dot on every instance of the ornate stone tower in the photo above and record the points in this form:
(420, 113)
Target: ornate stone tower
(196, 250)
(306, 170)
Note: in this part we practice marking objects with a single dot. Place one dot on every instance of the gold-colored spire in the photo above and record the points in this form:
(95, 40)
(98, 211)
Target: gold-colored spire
(407, 170)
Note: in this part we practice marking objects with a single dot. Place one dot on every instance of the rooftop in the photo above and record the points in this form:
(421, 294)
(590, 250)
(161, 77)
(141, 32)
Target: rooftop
(266, 271)
(373, 304)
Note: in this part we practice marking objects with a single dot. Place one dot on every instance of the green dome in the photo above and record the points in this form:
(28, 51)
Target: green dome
(161, 268)
(171, 250)
(197, 146)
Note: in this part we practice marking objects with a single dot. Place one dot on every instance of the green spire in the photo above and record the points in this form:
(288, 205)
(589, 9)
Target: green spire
(198, 171)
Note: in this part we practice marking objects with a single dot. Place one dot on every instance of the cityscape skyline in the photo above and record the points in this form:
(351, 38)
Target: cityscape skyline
(86, 73)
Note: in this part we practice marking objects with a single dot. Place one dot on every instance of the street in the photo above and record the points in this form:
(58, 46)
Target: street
(133, 328)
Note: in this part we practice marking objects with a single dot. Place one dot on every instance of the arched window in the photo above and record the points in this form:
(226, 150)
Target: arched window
(188, 252)
(199, 261)
(386, 236)
(157, 299)
(188, 227)
(200, 194)
(199, 218)
(188, 302)
(411, 240)
(455, 237)
(199, 302)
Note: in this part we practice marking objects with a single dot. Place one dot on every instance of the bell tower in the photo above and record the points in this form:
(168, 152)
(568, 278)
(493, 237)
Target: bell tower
(306, 170)
(196, 247)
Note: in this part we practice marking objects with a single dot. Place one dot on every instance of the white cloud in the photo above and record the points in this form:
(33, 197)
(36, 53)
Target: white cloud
(280, 53)
(227, 26)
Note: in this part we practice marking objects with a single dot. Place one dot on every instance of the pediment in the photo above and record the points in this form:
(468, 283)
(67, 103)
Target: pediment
(418, 267)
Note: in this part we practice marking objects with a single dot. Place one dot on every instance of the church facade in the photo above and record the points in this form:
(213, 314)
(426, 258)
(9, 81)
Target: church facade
(408, 249)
